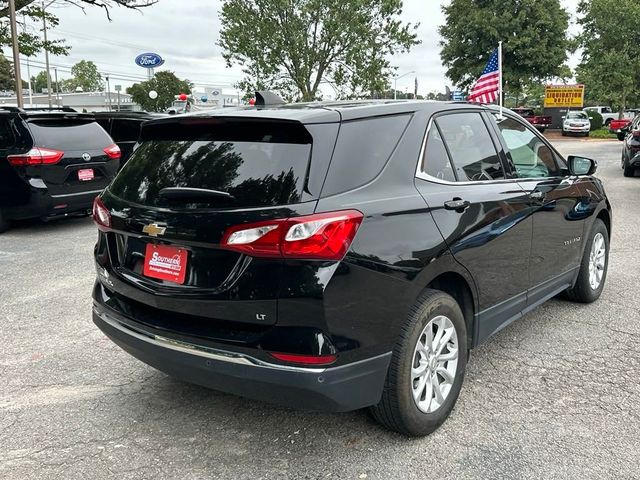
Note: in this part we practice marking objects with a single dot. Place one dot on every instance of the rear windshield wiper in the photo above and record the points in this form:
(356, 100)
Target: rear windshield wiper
(188, 193)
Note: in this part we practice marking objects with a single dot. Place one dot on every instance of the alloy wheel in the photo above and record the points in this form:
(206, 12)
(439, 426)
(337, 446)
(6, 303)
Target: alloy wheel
(597, 261)
(435, 361)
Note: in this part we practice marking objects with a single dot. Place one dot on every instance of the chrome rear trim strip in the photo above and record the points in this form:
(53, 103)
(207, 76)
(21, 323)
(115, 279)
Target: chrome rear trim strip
(201, 351)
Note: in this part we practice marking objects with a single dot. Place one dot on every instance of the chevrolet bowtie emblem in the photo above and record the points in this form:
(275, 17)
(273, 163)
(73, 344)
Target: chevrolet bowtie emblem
(153, 229)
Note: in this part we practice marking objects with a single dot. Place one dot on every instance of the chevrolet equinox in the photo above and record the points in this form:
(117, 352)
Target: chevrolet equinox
(337, 256)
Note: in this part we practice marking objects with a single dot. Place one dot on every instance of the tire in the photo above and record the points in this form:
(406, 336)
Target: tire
(541, 130)
(621, 136)
(607, 122)
(627, 170)
(583, 291)
(398, 410)
(586, 134)
(564, 134)
(4, 224)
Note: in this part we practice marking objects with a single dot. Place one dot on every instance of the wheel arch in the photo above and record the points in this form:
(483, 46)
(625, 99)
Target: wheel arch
(605, 216)
(463, 291)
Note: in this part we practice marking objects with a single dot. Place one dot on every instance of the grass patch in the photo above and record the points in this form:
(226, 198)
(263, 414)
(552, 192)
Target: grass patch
(602, 133)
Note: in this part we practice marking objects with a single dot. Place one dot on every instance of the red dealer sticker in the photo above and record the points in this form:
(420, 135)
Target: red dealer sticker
(85, 174)
(165, 262)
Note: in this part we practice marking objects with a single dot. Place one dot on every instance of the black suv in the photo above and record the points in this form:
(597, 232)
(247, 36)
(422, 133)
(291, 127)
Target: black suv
(52, 163)
(630, 135)
(336, 256)
(124, 128)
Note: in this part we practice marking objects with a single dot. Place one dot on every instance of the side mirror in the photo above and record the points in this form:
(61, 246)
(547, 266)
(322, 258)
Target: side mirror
(582, 165)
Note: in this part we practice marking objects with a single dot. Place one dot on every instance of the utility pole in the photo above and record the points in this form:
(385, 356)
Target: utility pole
(24, 25)
(108, 91)
(16, 53)
(55, 70)
(46, 49)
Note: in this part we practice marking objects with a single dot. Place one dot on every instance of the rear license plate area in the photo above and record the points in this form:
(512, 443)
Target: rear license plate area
(165, 262)
(86, 174)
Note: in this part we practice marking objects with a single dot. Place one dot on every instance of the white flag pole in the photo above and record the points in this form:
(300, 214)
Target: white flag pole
(500, 75)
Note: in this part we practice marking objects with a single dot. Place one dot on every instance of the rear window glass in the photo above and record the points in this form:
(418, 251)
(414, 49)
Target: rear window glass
(69, 135)
(254, 168)
(362, 150)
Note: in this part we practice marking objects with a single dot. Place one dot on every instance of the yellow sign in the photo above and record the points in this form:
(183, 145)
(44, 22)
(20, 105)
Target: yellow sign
(564, 96)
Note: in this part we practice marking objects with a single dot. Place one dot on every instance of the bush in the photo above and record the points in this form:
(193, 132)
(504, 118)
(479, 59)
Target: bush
(596, 120)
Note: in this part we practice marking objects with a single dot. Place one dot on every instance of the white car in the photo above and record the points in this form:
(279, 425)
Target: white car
(606, 112)
(576, 122)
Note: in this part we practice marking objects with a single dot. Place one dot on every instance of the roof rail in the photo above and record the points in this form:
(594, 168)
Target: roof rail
(49, 109)
(266, 98)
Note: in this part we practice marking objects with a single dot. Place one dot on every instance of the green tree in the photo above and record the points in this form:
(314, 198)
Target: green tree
(533, 32)
(166, 84)
(610, 65)
(7, 81)
(39, 82)
(85, 76)
(293, 46)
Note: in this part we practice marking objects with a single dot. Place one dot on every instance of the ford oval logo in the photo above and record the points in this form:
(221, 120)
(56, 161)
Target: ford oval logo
(149, 60)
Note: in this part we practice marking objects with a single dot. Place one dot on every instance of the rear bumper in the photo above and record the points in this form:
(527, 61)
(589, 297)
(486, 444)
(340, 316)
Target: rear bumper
(338, 389)
(42, 204)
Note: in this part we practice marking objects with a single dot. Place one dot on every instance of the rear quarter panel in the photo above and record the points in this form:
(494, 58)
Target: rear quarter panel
(367, 297)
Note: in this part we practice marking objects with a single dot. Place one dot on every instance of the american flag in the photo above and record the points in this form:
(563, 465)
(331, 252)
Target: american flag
(485, 90)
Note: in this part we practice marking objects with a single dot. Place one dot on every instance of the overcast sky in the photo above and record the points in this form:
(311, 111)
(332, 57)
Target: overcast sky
(185, 32)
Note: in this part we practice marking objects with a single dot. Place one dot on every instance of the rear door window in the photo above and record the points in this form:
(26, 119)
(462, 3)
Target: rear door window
(469, 143)
(436, 161)
(69, 135)
(259, 164)
(362, 150)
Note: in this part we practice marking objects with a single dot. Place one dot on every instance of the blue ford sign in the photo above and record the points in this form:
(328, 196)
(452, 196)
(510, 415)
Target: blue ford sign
(149, 60)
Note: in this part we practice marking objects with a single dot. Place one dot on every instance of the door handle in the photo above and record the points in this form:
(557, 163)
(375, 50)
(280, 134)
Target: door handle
(457, 204)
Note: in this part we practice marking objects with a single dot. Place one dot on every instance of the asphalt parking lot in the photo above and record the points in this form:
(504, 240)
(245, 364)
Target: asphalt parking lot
(555, 395)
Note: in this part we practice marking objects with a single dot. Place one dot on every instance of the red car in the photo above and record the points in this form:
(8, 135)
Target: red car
(619, 127)
(538, 121)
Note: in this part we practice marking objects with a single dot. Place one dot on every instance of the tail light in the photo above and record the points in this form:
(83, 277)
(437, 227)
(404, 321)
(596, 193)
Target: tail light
(113, 151)
(304, 359)
(36, 156)
(101, 214)
(636, 133)
(323, 236)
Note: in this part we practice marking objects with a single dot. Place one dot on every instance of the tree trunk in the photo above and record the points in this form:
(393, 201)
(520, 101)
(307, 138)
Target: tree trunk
(623, 104)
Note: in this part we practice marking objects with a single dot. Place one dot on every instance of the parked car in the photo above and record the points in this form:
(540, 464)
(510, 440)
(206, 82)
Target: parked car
(337, 256)
(124, 128)
(576, 122)
(607, 114)
(52, 163)
(619, 127)
(539, 121)
(631, 148)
